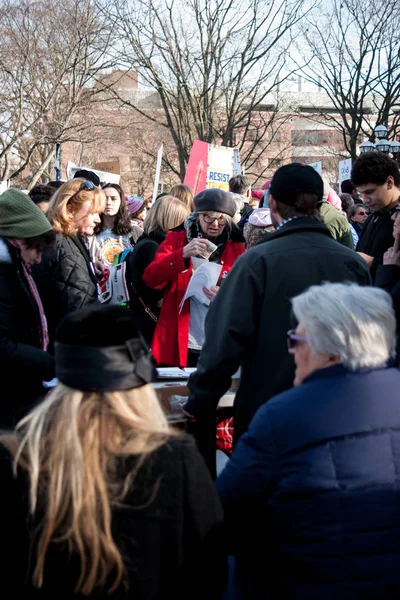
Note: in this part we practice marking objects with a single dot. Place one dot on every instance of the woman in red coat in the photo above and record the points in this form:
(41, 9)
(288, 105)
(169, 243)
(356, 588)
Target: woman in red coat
(179, 334)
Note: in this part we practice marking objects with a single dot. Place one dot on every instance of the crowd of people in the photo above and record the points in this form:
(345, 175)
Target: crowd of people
(104, 495)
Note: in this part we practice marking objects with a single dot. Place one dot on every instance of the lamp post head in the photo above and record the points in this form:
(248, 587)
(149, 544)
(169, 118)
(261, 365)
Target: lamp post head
(381, 131)
(367, 146)
(383, 145)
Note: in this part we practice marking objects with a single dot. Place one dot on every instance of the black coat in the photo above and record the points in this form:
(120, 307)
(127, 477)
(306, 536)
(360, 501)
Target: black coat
(140, 295)
(23, 364)
(169, 539)
(388, 278)
(247, 322)
(66, 280)
(376, 237)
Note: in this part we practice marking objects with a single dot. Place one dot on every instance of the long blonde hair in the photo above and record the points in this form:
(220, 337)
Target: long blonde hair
(69, 445)
(62, 206)
(165, 214)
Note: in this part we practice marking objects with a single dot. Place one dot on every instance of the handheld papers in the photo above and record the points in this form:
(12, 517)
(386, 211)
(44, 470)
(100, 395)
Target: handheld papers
(206, 275)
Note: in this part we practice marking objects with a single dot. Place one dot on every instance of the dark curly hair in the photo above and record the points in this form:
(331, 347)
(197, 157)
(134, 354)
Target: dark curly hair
(122, 223)
(374, 167)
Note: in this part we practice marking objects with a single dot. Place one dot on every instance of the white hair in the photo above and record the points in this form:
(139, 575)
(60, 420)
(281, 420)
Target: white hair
(239, 201)
(356, 323)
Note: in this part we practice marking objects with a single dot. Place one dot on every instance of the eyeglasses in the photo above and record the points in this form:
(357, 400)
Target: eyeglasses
(362, 214)
(86, 185)
(293, 339)
(208, 219)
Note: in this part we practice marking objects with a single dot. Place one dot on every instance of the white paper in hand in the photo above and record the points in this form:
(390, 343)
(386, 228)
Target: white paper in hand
(206, 275)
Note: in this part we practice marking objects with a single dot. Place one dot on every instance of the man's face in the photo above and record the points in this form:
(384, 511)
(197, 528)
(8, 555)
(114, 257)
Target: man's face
(377, 196)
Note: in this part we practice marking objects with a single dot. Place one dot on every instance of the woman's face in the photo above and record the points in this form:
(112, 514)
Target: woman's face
(360, 215)
(212, 224)
(113, 202)
(306, 358)
(84, 220)
(396, 224)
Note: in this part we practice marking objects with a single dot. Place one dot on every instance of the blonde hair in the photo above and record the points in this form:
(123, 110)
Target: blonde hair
(62, 209)
(165, 214)
(183, 192)
(69, 445)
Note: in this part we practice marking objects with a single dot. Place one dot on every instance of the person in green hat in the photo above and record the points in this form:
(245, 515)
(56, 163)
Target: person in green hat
(24, 361)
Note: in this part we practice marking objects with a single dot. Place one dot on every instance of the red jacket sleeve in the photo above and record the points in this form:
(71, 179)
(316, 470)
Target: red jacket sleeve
(168, 263)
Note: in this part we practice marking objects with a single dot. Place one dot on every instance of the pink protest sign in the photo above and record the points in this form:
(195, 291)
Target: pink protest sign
(211, 166)
(196, 171)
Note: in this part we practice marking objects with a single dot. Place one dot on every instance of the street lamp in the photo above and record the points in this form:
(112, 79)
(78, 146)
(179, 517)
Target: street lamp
(367, 146)
(383, 145)
(381, 133)
(395, 149)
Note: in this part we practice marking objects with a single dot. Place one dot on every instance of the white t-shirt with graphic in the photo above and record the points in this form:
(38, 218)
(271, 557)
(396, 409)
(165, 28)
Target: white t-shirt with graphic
(104, 247)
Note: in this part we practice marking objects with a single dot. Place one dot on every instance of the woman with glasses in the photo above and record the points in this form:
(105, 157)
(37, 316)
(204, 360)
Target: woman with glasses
(358, 215)
(67, 279)
(210, 234)
(313, 486)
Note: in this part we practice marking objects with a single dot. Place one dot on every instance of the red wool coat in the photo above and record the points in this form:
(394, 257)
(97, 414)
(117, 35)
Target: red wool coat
(169, 270)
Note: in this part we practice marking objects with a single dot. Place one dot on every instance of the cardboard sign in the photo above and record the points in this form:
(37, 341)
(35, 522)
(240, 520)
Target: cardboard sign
(317, 166)
(344, 171)
(111, 166)
(105, 177)
(211, 166)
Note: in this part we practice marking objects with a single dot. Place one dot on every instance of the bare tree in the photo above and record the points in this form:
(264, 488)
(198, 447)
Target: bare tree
(214, 65)
(353, 56)
(51, 53)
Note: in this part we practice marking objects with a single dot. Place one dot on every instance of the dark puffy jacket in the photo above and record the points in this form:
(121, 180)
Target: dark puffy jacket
(23, 364)
(321, 462)
(66, 280)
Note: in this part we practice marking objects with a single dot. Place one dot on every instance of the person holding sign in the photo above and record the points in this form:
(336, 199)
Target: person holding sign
(209, 234)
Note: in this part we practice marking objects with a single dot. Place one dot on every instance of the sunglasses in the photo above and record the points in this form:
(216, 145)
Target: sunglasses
(293, 339)
(86, 185)
(362, 214)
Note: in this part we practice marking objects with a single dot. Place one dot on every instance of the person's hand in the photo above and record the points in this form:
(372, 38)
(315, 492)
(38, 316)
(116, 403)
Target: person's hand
(195, 247)
(211, 293)
(368, 259)
(392, 256)
(99, 269)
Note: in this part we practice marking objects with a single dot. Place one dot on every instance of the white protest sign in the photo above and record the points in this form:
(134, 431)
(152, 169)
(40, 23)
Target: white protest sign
(104, 176)
(223, 163)
(317, 166)
(344, 171)
(3, 186)
(158, 171)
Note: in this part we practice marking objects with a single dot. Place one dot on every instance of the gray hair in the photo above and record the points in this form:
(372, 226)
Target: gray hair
(239, 201)
(347, 320)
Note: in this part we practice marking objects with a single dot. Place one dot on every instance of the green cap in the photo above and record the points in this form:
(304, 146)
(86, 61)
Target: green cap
(20, 217)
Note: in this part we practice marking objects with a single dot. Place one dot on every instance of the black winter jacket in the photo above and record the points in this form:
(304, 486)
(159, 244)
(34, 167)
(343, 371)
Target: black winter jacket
(167, 528)
(141, 256)
(23, 364)
(66, 280)
(376, 237)
(248, 320)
